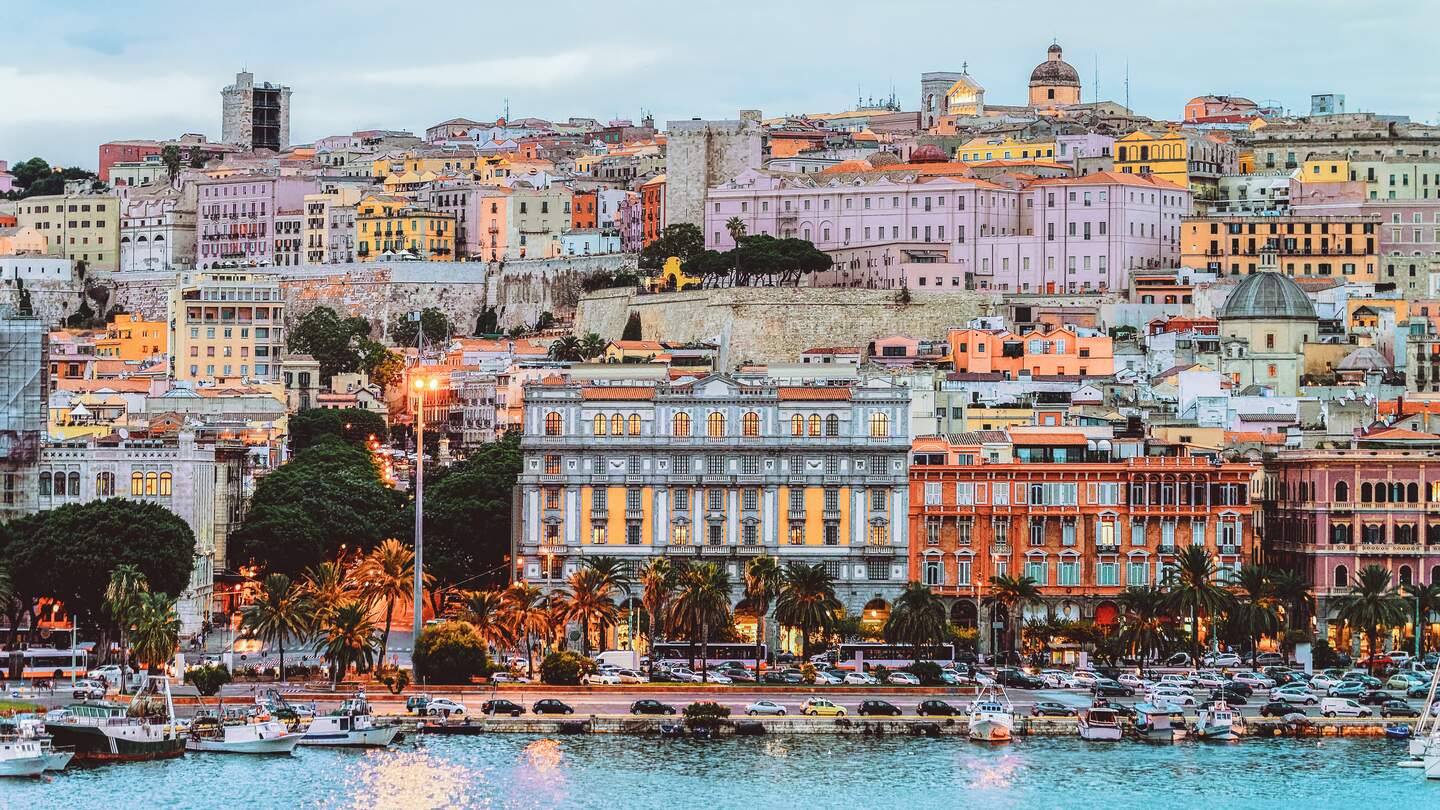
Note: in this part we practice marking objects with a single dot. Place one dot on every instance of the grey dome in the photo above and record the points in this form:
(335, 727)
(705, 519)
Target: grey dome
(1268, 295)
(1054, 70)
(1364, 358)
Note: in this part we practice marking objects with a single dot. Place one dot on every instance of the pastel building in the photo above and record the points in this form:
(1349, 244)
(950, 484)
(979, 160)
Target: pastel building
(235, 217)
(79, 227)
(1039, 353)
(226, 327)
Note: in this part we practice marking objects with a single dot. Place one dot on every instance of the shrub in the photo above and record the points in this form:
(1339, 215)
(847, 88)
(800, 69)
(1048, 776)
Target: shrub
(880, 673)
(564, 668)
(208, 679)
(705, 714)
(450, 652)
(927, 671)
(395, 679)
(807, 673)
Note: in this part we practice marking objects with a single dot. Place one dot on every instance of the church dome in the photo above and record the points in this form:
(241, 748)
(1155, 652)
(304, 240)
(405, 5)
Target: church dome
(1054, 70)
(880, 159)
(1270, 296)
(928, 153)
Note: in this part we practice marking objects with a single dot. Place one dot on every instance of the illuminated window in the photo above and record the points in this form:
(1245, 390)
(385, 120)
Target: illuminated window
(797, 425)
(165, 480)
(682, 424)
(552, 424)
(600, 424)
(814, 424)
(552, 498)
(552, 464)
(715, 425)
(104, 485)
(617, 425)
(634, 424)
(797, 534)
(879, 425)
(750, 424)
(151, 483)
(137, 483)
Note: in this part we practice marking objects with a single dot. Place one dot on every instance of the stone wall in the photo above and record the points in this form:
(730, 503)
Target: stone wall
(774, 324)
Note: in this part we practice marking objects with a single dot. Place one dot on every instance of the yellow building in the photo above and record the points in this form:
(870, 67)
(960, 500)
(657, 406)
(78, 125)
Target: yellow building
(97, 413)
(82, 227)
(128, 338)
(965, 97)
(673, 277)
(998, 418)
(980, 150)
(1186, 158)
(635, 351)
(1364, 314)
(22, 241)
(453, 163)
(227, 326)
(388, 224)
(1325, 169)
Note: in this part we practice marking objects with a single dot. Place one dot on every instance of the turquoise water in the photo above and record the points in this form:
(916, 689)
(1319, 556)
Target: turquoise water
(515, 772)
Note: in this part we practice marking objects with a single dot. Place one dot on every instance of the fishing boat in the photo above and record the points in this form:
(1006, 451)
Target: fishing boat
(992, 717)
(102, 731)
(30, 727)
(351, 725)
(20, 757)
(240, 732)
(1099, 722)
(1218, 722)
(1156, 724)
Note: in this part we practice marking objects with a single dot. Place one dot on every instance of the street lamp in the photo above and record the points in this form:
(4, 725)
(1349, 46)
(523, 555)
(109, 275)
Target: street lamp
(421, 384)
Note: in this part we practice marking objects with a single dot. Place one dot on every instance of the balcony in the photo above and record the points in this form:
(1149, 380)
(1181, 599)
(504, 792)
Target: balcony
(714, 551)
(680, 551)
(879, 551)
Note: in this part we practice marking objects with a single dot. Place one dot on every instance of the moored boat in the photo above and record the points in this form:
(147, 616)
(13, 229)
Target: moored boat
(102, 731)
(351, 725)
(241, 733)
(30, 727)
(992, 717)
(1156, 724)
(1099, 722)
(1218, 722)
(20, 757)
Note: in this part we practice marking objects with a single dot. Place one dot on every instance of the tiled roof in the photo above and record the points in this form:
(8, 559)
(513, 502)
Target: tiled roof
(813, 393)
(1253, 437)
(1399, 434)
(606, 392)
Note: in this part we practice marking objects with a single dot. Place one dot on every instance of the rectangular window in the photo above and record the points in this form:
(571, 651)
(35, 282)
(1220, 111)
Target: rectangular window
(1137, 573)
(1001, 494)
(716, 535)
(1037, 570)
(716, 500)
(597, 534)
(932, 534)
(832, 500)
(932, 493)
(965, 493)
(797, 534)
(632, 500)
(682, 500)
(1037, 533)
(797, 500)
(1069, 571)
(1137, 534)
(962, 531)
(962, 571)
(598, 500)
(832, 534)
(1067, 533)
(750, 534)
(878, 570)
(1107, 573)
(750, 500)
(877, 499)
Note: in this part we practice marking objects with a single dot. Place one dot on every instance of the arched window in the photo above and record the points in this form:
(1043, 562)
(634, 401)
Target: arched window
(45, 488)
(814, 424)
(1435, 575)
(682, 424)
(879, 425)
(165, 480)
(617, 425)
(797, 425)
(832, 425)
(1405, 534)
(600, 424)
(750, 424)
(634, 424)
(1340, 534)
(152, 481)
(1382, 493)
(1342, 492)
(1365, 493)
(1412, 493)
(715, 425)
(1397, 493)
(137, 483)
(552, 424)
(74, 484)
(1405, 576)
(1342, 576)
(104, 485)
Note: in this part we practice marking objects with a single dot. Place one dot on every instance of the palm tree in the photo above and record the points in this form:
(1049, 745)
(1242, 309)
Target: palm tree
(386, 574)
(917, 618)
(528, 616)
(348, 639)
(762, 582)
(121, 595)
(1372, 604)
(1013, 593)
(587, 600)
(1296, 595)
(485, 610)
(807, 600)
(326, 588)
(1145, 626)
(702, 603)
(155, 628)
(736, 227)
(566, 348)
(592, 346)
(1192, 588)
(1427, 604)
(1254, 610)
(657, 583)
(282, 611)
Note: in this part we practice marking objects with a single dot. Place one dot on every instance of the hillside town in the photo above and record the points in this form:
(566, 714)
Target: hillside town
(990, 344)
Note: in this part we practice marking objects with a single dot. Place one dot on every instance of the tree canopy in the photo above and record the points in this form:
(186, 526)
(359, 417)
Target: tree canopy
(339, 344)
(682, 239)
(354, 426)
(434, 322)
(758, 260)
(35, 177)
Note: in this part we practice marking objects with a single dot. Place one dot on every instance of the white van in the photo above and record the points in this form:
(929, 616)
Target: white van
(620, 659)
(1342, 707)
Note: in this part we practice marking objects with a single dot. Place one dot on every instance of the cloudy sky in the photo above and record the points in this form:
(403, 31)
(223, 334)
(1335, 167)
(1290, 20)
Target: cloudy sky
(76, 73)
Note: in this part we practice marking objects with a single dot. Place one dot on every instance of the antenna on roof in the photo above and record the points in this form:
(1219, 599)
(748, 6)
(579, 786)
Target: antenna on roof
(1127, 88)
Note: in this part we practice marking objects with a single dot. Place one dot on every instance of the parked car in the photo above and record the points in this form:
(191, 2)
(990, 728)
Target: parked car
(88, 690)
(1399, 657)
(650, 706)
(938, 708)
(602, 678)
(1177, 660)
(1398, 708)
(883, 708)
(1162, 695)
(1402, 682)
(1269, 659)
(1104, 687)
(551, 706)
(500, 706)
(740, 675)
(1018, 679)
(1321, 682)
(1209, 680)
(1253, 680)
(716, 676)
(769, 707)
(860, 679)
(1233, 698)
(1134, 681)
(1277, 708)
(829, 678)
(1376, 697)
(1238, 688)
(1049, 708)
(1342, 707)
(820, 707)
(1346, 689)
(1058, 679)
(1293, 694)
(1084, 677)
(1176, 680)
(443, 707)
(1223, 660)
(1419, 690)
(631, 676)
(684, 675)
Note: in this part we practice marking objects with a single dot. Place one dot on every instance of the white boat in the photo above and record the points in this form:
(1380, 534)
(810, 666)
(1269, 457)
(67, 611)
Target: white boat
(100, 731)
(1218, 722)
(992, 717)
(1426, 739)
(21, 757)
(241, 733)
(350, 725)
(1099, 722)
(33, 728)
(1155, 724)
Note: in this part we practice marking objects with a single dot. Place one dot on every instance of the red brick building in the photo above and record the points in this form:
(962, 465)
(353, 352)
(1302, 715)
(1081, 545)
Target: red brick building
(652, 208)
(582, 210)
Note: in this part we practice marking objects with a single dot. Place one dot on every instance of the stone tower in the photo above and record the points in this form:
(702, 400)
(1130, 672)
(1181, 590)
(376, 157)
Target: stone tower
(932, 95)
(255, 116)
(700, 155)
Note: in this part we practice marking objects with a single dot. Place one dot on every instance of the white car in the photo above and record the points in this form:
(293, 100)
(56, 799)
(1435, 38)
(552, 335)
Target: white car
(1170, 695)
(1176, 680)
(903, 679)
(631, 676)
(1292, 694)
(1085, 678)
(1135, 682)
(1208, 680)
(1254, 680)
(109, 673)
(439, 707)
(765, 707)
(1058, 679)
(860, 679)
(1399, 657)
(1223, 660)
(602, 678)
(983, 679)
(1342, 707)
(684, 675)
(824, 678)
(1322, 682)
(713, 676)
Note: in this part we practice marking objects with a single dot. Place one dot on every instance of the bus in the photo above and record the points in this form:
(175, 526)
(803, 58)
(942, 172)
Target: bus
(718, 653)
(45, 663)
(892, 655)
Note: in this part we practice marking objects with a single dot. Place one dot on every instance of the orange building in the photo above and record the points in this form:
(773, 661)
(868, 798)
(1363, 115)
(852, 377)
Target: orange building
(128, 338)
(1040, 353)
(652, 208)
(1303, 246)
(1068, 512)
(582, 210)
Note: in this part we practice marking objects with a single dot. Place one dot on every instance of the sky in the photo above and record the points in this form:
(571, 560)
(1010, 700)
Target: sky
(77, 73)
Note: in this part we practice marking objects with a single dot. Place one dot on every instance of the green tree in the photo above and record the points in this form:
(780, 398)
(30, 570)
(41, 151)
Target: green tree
(122, 595)
(735, 226)
(280, 612)
(1296, 595)
(1193, 588)
(325, 588)
(587, 600)
(387, 575)
(1146, 630)
(657, 584)
(154, 629)
(334, 342)
(566, 349)
(701, 606)
(528, 617)
(348, 640)
(208, 678)
(591, 346)
(433, 322)
(917, 618)
(485, 612)
(450, 652)
(681, 239)
(632, 328)
(354, 426)
(1013, 593)
(197, 158)
(1371, 604)
(1253, 611)
(763, 576)
(170, 156)
(807, 601)
(564, 669)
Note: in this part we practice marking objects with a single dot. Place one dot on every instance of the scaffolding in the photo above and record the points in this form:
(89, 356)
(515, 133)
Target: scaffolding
(22, 411)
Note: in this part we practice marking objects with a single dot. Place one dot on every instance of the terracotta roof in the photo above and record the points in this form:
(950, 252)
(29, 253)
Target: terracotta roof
(833, 350)
(1384, 406)
(1048, 438)
(604, 392)
(1399, 434)
(813, 393)
(1253, 437)
(639, 345)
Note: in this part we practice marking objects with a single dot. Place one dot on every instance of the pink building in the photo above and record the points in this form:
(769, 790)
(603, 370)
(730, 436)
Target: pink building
(235, 217)
(1016, 234)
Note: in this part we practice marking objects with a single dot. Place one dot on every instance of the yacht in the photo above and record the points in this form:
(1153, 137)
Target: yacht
(1099, 722)
(350, 725)
(1219, 722)
(992, 717)
(21, 757)
(239, 732)
(102, 731)
(1425, 742)
(1156, 724)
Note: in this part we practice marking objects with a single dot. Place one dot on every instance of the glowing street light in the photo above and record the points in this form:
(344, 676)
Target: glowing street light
(421, 385)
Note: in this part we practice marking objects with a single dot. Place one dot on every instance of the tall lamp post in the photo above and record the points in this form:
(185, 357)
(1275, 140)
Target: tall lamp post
(421, 384)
